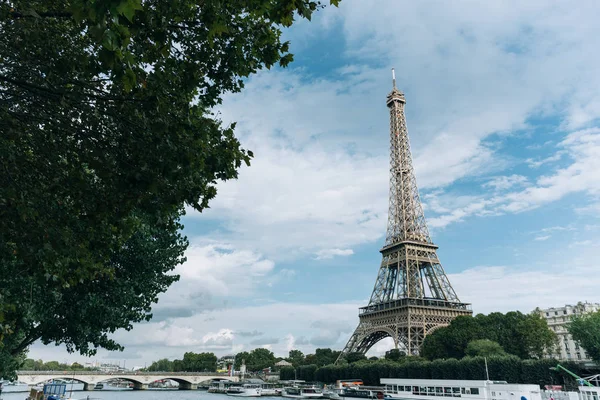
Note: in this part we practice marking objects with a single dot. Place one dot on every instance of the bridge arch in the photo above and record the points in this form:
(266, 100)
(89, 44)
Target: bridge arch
(39, 379)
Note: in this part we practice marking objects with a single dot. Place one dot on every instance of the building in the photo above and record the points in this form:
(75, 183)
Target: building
(225, 361)
(557, 319)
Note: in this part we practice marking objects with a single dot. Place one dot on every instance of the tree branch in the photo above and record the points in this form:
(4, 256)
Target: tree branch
(47, 14)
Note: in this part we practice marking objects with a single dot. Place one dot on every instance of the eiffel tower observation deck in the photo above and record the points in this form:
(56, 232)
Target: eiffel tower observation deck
(412, 296)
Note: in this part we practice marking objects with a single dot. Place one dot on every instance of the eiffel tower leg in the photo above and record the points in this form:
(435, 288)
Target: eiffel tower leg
(354, 341)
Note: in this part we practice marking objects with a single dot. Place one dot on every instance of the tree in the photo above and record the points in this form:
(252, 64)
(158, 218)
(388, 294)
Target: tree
(523, 335)
(163, 365)
(296, 357)
(585, 330)
(325, 356)
(354, 357)
(107, 134)
(76, 366)
(394, 354)
(484, 348)
(201, 362)
(52, 366)
(241, 357)
(260, 359)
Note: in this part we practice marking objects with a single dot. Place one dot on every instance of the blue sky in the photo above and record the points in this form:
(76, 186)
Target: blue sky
(503, 115)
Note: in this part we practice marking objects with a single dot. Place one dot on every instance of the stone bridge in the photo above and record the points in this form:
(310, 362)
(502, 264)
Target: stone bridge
(140, 380)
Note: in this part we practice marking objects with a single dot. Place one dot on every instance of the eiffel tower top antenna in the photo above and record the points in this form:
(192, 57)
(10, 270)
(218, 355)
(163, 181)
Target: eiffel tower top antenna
(394, 78)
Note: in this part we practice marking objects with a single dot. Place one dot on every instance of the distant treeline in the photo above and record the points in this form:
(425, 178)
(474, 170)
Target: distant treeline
(503, 368)
(38, 365)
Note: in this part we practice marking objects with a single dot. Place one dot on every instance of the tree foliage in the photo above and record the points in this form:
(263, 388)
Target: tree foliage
(256, 360)
(191, 362)
(523, 335)
(484, 348)
(585, 330)
(354, 357)
(296, 358)
(107, 133)
(394, 354)
(508, 368)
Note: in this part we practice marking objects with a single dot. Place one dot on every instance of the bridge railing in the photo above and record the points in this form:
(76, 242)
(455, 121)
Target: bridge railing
(142, 373)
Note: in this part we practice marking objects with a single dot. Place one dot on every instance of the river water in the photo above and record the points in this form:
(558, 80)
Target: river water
(139, 395)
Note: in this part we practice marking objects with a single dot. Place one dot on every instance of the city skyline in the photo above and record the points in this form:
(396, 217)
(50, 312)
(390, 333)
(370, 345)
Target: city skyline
(503, 121)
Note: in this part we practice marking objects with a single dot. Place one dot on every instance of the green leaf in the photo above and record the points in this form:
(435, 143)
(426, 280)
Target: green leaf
(127, 8)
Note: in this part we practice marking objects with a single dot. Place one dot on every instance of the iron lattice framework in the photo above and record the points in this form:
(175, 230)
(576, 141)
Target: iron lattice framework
(412, 295)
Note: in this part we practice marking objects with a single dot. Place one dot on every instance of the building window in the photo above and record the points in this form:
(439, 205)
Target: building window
(578, 356)
(555, 312)
(474, 390)
(547, 314)
(565, 312)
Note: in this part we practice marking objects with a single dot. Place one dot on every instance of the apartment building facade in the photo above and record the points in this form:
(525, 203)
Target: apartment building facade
(557, 319)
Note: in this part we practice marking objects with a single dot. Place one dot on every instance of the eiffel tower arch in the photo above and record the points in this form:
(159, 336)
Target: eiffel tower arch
(412, 296)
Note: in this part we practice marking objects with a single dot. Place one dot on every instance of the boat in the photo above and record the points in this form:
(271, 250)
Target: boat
(244, 390)
(430, 389)
(589, 393)
(50, 391)
(270, 389)
(219, 386)
(351, 393)
(299, 392)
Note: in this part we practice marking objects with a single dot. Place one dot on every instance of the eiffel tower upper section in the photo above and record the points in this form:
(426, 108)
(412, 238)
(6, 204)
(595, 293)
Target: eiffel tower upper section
(410, 267)
(406, 221)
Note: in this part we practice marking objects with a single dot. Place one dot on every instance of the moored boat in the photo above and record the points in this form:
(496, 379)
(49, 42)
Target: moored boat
(270, 389)
(220, 386)
(433, 389)
(351, 393)
(244, 390)
(297, 392)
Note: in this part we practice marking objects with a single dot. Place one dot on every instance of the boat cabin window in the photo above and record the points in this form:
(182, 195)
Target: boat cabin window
(474, 390)
(439, 391)
(462, 390)
(456, 391)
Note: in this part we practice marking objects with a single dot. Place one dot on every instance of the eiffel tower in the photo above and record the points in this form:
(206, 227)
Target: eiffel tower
(412, 295)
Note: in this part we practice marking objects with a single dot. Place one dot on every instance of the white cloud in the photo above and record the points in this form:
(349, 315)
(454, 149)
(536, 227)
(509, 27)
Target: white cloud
(292, 203)
(330, 253)
(505, 182)
(504, 289)
(582, 175)
(542, 238)
(538, 163)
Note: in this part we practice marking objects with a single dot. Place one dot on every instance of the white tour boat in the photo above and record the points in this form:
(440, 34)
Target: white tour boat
(245, 390)
(302, 392)
(270, 389)
(589, 393)
(354, 393)
(433, 389)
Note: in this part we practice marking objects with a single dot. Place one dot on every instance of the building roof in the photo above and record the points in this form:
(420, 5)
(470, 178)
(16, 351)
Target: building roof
(283, 363)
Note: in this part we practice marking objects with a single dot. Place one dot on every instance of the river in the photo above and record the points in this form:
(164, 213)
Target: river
(139, 395)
